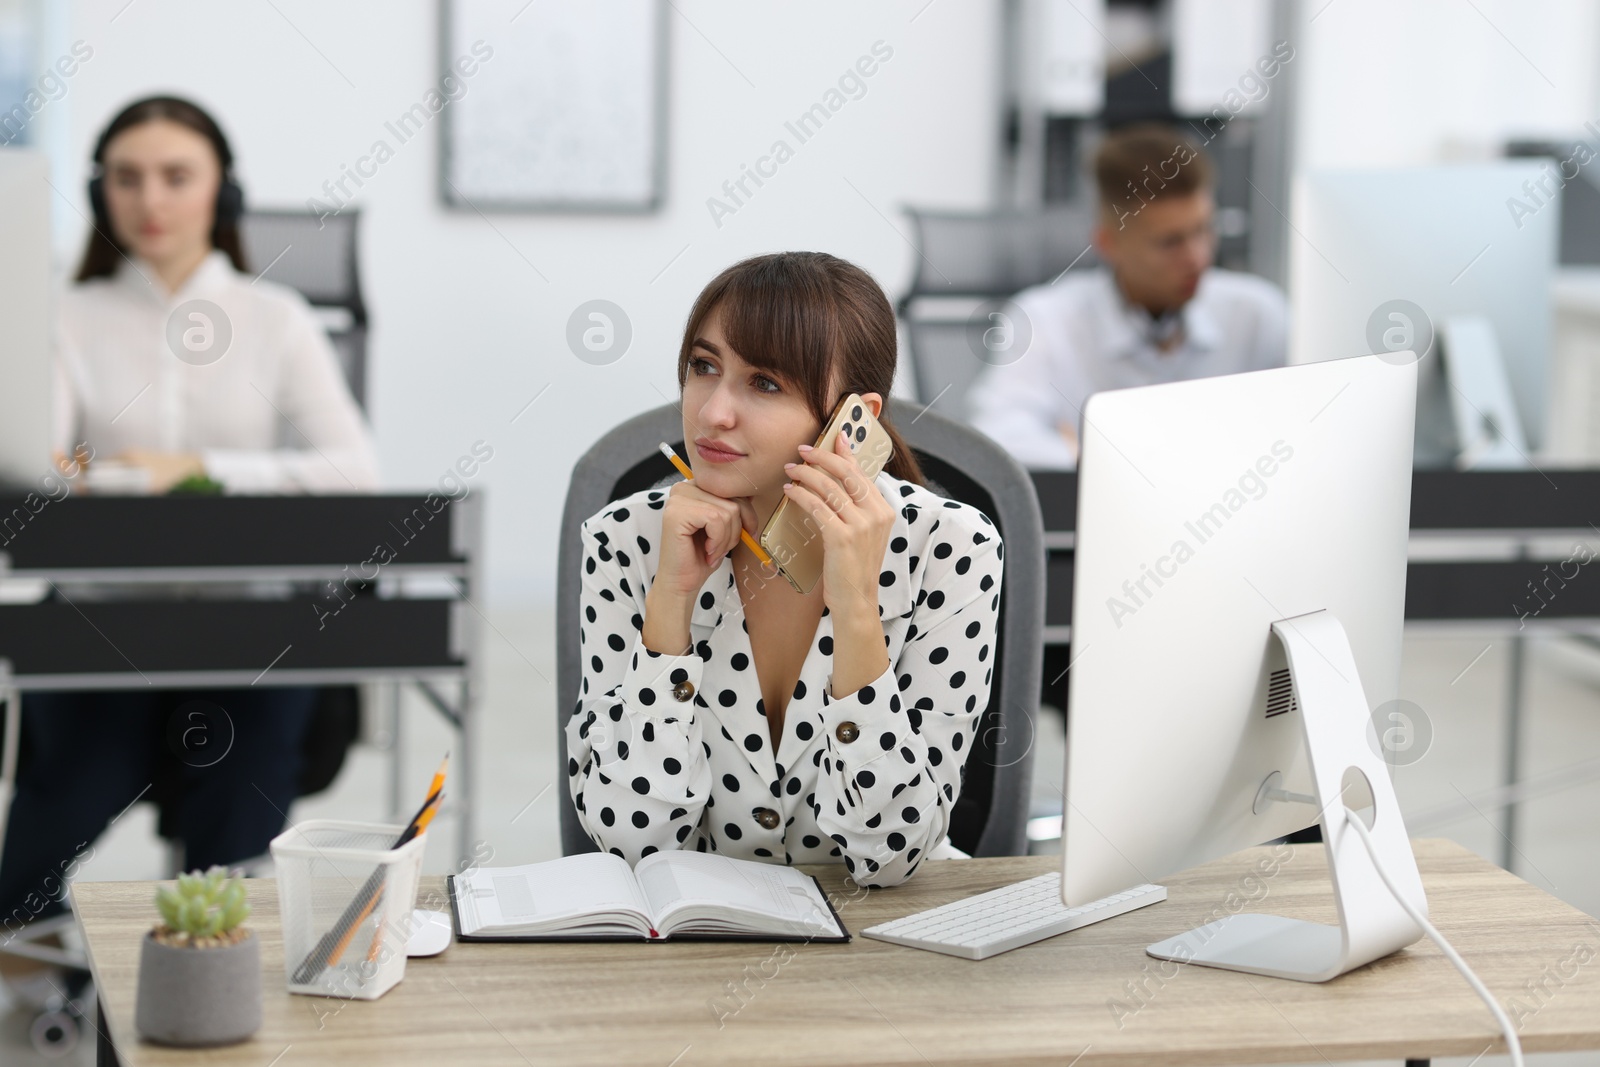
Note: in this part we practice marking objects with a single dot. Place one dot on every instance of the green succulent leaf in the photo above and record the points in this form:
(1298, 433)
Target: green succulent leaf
(235, 914)
(170, 905)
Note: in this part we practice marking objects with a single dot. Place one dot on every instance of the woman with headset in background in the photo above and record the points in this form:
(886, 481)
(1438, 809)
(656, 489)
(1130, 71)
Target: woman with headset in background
(173, 359)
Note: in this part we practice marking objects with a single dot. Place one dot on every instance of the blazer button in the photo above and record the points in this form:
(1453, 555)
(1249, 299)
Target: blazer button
(847, 732)
(683, 691)
(767, 818)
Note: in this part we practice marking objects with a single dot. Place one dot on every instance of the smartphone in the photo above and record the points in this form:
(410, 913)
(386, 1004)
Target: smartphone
(790, 536)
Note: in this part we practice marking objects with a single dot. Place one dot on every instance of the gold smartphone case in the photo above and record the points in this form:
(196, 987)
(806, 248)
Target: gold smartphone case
(790, 536)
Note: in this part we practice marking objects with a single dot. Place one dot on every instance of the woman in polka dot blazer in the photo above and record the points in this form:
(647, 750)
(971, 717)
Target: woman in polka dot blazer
(720, 709)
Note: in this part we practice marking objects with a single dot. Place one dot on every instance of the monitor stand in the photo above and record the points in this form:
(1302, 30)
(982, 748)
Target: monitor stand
(1346, 771)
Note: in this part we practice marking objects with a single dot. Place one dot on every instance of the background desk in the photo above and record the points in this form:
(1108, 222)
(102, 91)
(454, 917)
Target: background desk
(1480, 542)
(1499, 510)
(201, 639)
(872, 1002)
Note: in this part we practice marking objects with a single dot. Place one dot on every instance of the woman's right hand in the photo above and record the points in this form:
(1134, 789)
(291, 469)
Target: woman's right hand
(697, 530)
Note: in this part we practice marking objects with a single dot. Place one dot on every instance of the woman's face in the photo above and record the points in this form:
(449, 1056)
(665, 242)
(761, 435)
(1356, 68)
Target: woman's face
(161, 182)
(740, 423)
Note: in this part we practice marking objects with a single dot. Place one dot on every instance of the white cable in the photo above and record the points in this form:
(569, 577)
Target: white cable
(1513, 1045)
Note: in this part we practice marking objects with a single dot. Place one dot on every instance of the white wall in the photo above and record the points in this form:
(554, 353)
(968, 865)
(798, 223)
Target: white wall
(1429, 81)
(465, 330)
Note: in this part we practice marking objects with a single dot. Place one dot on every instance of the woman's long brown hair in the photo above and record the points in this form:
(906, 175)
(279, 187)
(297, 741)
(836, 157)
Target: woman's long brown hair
(803, 315)
(104, 253)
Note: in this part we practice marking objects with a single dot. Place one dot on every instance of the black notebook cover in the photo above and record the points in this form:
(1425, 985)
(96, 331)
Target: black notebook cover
(455, 917)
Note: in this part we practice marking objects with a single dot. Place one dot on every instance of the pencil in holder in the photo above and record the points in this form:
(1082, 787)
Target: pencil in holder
(345, 897)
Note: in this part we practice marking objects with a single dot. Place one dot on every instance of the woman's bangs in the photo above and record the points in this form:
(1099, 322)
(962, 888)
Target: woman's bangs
(779, 328)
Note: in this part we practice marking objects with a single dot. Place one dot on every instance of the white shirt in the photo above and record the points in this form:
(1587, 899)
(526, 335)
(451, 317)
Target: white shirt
(1083, 337)
(272, 414)
(675, 752)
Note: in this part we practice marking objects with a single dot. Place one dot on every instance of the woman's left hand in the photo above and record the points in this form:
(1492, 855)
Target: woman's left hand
(855, 521)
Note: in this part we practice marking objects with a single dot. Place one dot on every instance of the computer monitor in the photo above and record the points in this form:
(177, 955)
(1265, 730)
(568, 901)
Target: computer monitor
(1238, 600)
(25, 366)
(1471, 246)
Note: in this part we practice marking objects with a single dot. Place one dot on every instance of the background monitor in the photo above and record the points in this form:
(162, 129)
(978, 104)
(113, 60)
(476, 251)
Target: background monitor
(25, 327)
(1466, 240)
(1207, 511)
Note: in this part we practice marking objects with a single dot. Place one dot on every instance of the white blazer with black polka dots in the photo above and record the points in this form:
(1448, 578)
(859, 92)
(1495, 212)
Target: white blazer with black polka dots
(674, 751)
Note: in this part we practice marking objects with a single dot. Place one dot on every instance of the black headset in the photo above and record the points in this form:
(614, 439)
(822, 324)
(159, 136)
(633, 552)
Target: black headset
(230, 194)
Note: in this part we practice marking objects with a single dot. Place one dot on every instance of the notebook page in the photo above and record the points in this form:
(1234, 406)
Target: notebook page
(673, 880)
(539, 893)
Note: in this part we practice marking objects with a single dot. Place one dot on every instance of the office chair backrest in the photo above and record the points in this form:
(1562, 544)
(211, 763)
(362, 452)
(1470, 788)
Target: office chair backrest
(990, 817)
(945, 354)
(317, 258)
(997, 253)
(967, 264)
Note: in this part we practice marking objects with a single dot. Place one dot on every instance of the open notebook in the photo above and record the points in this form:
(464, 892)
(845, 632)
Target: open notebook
(684, 895)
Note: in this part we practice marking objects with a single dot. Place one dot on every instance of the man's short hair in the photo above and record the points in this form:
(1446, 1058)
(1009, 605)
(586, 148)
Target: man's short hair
(1138, 164)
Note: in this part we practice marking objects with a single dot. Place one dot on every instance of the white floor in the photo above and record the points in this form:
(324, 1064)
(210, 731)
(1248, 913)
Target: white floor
(1461, 692)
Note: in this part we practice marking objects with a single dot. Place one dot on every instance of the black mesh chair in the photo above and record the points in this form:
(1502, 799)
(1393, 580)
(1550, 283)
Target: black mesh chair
(966, 265)
(991, 813)
(316, 256)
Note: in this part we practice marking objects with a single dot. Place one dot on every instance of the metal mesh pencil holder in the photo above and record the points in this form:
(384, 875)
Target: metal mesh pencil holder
(345, 898)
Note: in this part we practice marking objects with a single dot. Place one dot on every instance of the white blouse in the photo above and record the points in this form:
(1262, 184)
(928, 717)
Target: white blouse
(272, 414)
(674, 751)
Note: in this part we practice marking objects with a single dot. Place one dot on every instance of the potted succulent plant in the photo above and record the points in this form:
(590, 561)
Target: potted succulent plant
(199, 968)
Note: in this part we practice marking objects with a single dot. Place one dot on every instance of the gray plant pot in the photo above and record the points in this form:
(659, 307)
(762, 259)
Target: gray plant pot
(199, 996)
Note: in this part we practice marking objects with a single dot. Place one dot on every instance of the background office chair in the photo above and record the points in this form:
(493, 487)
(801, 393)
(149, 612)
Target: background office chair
(966, 265)
(317, 258)
(990, 817)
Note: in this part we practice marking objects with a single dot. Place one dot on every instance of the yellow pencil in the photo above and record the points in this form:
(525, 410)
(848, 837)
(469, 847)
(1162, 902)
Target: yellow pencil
(744, 535)
(376, 948)
(438, 776)
(434, 799)
(427, 815)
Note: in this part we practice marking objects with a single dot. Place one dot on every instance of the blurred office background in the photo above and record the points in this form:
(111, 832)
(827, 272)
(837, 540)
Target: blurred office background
(974, 107)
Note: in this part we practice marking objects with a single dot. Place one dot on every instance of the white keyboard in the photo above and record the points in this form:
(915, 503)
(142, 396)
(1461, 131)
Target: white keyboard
(1007, 918)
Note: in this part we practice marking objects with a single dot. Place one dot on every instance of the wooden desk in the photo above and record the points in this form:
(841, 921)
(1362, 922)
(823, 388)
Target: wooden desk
(868, 1001)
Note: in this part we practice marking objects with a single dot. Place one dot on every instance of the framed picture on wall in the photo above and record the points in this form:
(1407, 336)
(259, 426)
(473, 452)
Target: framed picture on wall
(565, 109)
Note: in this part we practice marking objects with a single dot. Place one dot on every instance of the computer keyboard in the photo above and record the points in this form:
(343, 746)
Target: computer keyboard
(1007, 918)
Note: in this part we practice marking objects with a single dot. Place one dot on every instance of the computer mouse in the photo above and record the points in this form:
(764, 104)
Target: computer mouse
(430, 933)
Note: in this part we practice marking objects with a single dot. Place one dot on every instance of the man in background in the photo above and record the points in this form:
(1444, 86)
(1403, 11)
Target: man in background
(1157, 311)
